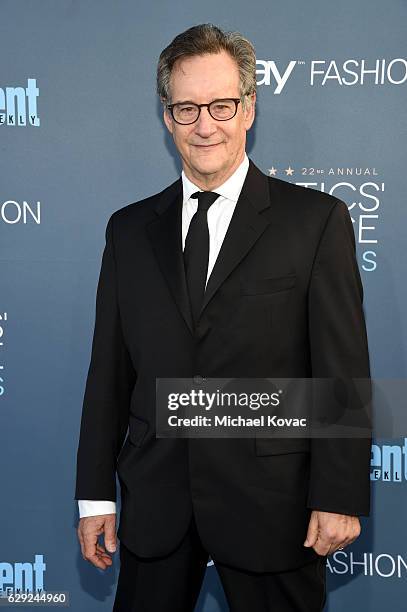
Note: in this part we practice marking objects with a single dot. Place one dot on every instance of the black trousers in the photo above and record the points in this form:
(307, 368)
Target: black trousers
(173, 583)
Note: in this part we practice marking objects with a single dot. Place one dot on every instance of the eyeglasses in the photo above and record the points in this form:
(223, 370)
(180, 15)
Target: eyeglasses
(186, 113)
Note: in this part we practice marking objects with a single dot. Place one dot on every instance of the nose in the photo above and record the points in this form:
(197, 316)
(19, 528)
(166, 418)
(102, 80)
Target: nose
(205, 126)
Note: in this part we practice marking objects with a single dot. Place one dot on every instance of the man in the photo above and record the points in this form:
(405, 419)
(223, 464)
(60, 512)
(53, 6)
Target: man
(254, 278)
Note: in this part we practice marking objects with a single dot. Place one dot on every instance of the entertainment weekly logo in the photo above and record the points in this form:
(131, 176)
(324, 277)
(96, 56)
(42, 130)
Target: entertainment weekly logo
(22, 575)
(332, 72)
(18, 105)
(389, 463)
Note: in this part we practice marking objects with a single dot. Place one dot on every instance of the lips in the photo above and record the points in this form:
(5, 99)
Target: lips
(201, 146)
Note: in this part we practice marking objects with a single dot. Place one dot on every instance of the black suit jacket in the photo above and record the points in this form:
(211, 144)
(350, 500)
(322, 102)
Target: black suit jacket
(284, 300)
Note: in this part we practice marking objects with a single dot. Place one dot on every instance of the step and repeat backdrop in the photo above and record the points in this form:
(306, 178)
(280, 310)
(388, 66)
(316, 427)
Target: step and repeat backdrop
(81, 135)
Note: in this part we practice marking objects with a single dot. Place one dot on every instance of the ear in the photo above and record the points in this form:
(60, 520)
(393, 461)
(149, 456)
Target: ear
(168, 119)
(250, 112)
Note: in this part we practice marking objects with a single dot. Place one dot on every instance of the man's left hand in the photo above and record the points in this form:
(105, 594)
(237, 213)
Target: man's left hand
(328, 532)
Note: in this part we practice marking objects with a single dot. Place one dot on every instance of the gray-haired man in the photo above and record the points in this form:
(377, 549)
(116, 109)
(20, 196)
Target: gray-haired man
(225, 273)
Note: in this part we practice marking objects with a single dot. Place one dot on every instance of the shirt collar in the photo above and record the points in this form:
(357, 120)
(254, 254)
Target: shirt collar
(230, 189)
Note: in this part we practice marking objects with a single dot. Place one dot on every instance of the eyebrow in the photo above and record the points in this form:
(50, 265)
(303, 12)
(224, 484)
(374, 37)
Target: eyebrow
(191, 102)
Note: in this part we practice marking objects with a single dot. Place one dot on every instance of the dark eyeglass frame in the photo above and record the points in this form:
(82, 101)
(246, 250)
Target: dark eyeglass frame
(200, 106)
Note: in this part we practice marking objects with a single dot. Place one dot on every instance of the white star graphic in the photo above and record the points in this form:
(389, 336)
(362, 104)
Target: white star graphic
(289, 171)
(272, 171)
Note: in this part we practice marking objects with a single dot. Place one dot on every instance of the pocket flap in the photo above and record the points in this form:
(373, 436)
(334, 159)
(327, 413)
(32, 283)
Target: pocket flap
(268, 285)
(281, 446)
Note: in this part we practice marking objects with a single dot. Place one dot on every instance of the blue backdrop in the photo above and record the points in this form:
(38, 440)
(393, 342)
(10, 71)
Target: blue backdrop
(81, 135)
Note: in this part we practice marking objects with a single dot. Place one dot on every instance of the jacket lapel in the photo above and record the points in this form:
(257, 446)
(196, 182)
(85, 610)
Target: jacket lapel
(165, 233)
(245, 228)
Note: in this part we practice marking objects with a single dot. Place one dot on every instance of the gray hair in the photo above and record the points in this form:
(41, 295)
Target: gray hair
(208, 38)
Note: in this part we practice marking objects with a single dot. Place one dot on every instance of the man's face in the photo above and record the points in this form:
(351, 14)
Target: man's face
(211, 150)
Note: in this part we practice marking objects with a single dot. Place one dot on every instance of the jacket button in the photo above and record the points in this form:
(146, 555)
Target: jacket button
(198, 379)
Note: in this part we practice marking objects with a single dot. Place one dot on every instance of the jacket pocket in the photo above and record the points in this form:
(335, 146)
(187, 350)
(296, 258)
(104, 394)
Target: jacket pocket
(272, 284)
(281, 446)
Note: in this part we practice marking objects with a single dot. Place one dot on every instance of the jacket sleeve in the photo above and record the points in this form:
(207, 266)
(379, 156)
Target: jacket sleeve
(109, 384)
(340, 467)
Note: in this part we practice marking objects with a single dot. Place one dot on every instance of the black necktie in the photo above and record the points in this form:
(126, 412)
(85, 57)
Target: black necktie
(196, 251)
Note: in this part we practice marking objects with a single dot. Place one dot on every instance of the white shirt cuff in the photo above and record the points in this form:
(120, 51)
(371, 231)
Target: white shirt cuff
(91, 507)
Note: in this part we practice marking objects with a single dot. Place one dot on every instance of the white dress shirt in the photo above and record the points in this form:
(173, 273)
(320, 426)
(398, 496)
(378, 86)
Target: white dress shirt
(219, 216)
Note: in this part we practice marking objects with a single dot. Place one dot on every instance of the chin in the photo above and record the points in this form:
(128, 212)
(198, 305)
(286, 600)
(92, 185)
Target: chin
(208, 166)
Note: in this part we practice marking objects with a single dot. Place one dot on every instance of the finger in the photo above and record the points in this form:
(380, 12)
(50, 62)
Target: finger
(101, 552)
(350, 537)
(355, 533)
(323, 544)
(106, 560)
(81, 541)
(97, 561)
(94, 556)
(334, 548)
(90, 552)
(100, 548)
(80, 536)
(321, 548)
(349, 541)
(312, 533)
(90, 541)
(110, 534)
